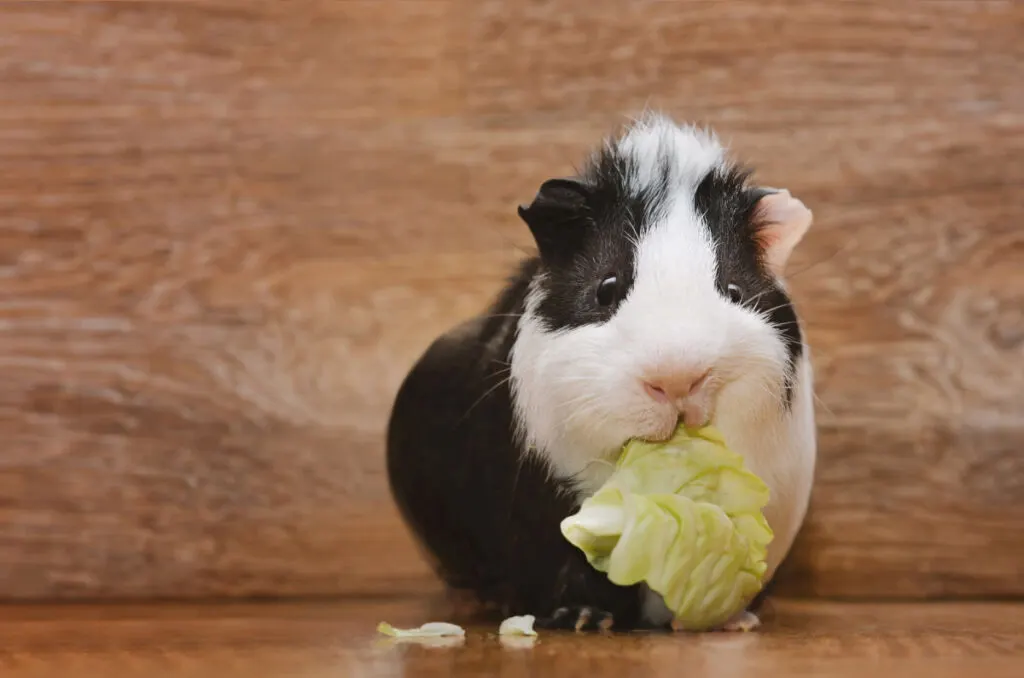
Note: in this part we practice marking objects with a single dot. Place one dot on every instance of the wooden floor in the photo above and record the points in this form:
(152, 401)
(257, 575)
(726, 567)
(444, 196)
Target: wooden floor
(339, 640)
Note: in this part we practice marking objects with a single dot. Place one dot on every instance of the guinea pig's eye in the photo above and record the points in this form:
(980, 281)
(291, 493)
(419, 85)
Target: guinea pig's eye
(608, 291)
(735, 293)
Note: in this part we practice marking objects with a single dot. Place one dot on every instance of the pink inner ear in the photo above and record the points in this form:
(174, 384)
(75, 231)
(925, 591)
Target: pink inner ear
(769, 236)
(784, 221)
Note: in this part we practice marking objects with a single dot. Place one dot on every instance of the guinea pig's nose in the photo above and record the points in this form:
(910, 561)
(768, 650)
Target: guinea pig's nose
(675, 387)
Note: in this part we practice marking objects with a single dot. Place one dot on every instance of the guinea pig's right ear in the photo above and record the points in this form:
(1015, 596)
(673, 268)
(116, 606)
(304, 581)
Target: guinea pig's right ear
(557, 217)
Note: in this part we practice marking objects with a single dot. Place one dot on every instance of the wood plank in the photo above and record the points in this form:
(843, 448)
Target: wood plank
(227, 229)
(779, 62)
(344, 61)
(148, 213)
(801, 639)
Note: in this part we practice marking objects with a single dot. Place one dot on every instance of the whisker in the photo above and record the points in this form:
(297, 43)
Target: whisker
(751, 300)
(481, 398)
(846, 246)
(774, 395)
(573, 401)
(773, 309)
(589, 405)
(822, 403)
(577, 408)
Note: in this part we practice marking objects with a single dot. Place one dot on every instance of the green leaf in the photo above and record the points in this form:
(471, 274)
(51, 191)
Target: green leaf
(685, 517)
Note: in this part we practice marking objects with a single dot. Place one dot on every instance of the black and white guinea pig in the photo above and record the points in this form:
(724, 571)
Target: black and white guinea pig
(657, 294)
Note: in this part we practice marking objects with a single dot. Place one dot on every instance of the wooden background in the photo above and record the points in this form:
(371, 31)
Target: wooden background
(228, 228)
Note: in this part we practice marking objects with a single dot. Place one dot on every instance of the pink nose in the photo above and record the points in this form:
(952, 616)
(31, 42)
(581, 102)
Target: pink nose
(675, 387)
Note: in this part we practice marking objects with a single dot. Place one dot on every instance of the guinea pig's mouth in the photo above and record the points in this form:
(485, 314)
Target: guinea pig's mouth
(697, 413)
(693, 412)
(663, 432)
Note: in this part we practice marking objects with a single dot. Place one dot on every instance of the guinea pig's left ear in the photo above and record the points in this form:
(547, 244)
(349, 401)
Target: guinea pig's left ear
(781, 222)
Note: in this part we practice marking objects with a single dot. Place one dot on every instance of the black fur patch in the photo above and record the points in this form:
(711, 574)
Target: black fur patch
(487, 512)
(615, 217)
(728, 203)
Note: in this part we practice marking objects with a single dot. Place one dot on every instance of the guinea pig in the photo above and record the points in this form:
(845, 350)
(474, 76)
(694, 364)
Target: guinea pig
(656, 295)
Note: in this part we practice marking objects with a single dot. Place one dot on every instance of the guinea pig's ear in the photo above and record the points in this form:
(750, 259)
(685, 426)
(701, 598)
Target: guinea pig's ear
(557, 216)
(781, 222)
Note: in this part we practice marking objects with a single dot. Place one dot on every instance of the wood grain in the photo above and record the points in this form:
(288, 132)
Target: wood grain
(228, 228)
(802, 639)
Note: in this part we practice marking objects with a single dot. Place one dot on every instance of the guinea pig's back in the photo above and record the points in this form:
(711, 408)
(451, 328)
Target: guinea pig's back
(450, 451)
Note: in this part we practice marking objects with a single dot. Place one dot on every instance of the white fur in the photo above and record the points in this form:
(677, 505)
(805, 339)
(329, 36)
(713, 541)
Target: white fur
(694, 151)
(579, 393)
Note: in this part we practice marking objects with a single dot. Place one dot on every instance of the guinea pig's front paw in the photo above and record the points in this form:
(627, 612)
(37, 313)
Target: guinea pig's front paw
(577, 618)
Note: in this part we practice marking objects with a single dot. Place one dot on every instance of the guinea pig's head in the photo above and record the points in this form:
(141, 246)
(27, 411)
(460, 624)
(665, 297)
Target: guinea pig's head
(658, 296)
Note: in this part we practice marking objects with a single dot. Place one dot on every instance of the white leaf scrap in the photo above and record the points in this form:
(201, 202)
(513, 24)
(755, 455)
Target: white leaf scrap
(517, 626)
(428, 630)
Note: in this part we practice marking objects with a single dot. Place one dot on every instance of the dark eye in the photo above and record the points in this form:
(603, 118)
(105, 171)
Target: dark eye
(735, 293)
(608, 291)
